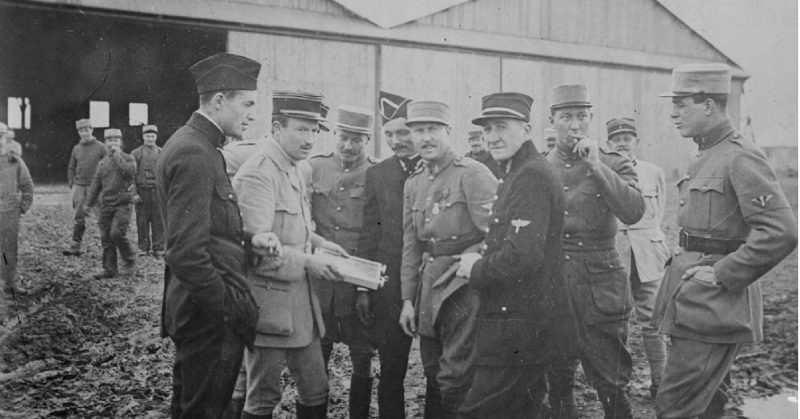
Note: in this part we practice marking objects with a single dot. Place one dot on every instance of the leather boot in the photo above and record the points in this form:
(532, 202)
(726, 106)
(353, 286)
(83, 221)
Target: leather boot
(656, 352)
(616, 405)
(360, 396)
(319, 411)
(234, 409)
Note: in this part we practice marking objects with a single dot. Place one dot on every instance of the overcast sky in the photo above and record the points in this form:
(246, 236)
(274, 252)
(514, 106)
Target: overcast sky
(760, 36)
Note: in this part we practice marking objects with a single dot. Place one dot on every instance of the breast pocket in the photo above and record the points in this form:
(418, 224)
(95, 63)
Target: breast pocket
(288, 223)
(453, 218)
(707, 197)
(589, 205)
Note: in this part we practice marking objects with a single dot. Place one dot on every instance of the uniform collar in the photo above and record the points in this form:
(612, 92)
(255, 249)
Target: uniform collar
(715, 135)
(565, 155)
(275, 152)
(442, 164)
(361, 159)
(209, 128)
(523, 154)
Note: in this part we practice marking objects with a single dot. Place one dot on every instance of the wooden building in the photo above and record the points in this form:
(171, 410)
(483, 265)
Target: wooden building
(450, 50)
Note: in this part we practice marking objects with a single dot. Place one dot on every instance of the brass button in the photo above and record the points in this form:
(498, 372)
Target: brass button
(347, 170)
(566, 235)
(230, 196)
(568, 166)
(503, 308)
(496, 220)
(427, 220)
(598, 195)
(336, 228)
(566, 257)
(580, 243)
(341, 188)
(566, 188)
(338, 208)
(566, 212)
(495, 197)
(681, 202)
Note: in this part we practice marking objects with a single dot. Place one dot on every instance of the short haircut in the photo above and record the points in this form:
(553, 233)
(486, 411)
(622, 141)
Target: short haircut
(207, 96)
(719, 100)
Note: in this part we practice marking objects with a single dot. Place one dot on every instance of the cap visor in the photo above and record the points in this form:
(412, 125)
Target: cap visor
(304, 115)
(675, 94)
(418, 120)
(481, 120)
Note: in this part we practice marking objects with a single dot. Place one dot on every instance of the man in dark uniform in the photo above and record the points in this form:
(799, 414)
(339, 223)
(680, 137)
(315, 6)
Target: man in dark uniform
(478, 151)
(446, 211)
(208, 309)
(381, 240)
(148, 217)
(736, 224)
(113, 186)
(598, 185)
(520, 287)
(337, 208)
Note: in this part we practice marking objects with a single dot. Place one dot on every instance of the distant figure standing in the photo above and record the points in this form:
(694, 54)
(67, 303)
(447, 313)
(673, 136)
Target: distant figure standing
(113, 187)
(478, 151)
(16, 196)
(642, 245)
(83, 161)
(148, 214)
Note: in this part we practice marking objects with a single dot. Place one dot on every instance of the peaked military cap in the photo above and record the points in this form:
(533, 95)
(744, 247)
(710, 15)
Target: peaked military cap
(83, 123)
(550, 133)
(692, 79)
(505, 105)
(112, 133)
(620, 125)
(475, 134)
(569, 95)
(225, 71)
(428, 111)
(354, 119)
(392, 106)
(150, 128)
(301, 105)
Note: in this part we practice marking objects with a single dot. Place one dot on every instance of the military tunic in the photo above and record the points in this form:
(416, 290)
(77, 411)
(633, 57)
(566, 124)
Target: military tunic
(594, 200)
(148, 216)
(445, 213)
(16, 197)
(730, 194)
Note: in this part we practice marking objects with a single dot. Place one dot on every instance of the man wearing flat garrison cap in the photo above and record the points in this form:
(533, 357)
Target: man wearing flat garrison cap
(735, 225)
(522, 294)
(477, 151)
(272, 190)
(337, 208)
(208, 309)
(599, 187)
(446, 211)
(381, 240)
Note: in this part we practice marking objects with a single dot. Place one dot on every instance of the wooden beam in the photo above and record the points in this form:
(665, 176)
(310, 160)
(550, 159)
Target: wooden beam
(247, 16)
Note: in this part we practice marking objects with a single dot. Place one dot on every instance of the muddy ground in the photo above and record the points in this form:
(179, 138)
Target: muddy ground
(83, 348)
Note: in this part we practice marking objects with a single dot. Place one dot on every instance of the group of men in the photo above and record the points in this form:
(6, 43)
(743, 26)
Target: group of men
(507, 269)
(100, 172)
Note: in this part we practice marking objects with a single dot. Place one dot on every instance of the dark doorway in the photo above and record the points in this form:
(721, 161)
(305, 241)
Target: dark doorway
(61, 60)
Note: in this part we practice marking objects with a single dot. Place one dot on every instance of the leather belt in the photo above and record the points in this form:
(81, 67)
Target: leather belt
(692, 243)
(449, 248)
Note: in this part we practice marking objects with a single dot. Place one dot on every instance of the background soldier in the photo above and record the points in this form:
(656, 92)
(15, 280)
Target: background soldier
(14, 147)
(381, 240)
(446, 211)
(208, 310)
(549, 140)
(598, 186)
(16, 197)
(736, 224)
(113, 187)
(148, 216)
(272, 190)
(478, 151)
(337, 208)
(519, 282)
(642, 245)
(83, 161)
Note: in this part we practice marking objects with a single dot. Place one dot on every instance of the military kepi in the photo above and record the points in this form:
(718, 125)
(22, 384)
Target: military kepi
(112, 133)
(83, 123)
(569, 95)
(225, 71)
(620, 125)
(505, 105)
(300, 105)
(354, 119)
(428, 111)
(692, 79)
(149, 128)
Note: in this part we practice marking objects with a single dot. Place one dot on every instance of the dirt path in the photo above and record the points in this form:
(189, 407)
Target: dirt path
(84, 348)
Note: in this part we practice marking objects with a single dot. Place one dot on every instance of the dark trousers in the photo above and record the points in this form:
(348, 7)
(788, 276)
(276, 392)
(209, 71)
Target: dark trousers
(80, 194)
(113, 222)
(148, 219)
(505, 392)
(206, 365)
(393, 349)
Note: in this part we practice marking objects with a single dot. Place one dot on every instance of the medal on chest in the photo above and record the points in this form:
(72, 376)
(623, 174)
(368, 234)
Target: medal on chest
(436, 210)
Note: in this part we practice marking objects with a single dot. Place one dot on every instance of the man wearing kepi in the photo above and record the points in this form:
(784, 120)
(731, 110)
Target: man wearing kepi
(148, 216)
(337, 208)
(272, 190)
(522, 294)
(642, 246)
(599, 187)
(735, 225)
(83, 161)
(208, 309)
(478, 151)
(113, 188)
(446, 211)
(381, 240)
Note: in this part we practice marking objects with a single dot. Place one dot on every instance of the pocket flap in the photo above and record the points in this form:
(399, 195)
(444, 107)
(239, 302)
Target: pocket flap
(291, 206)
(709, 184)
